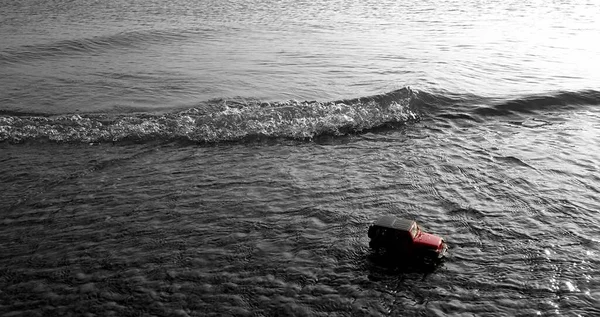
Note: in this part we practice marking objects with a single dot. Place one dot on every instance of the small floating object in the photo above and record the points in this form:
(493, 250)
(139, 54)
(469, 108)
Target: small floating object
(401, 237)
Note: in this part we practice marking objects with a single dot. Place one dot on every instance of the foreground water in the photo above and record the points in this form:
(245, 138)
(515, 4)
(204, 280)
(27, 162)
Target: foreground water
(154, 159)
(278, 227)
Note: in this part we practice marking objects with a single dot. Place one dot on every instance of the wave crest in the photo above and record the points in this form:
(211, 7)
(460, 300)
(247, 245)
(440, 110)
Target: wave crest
(228, 121)
(91, 45)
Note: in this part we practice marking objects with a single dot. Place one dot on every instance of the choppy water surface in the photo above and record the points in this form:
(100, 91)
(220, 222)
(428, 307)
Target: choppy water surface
(209, 158)
(279, 227)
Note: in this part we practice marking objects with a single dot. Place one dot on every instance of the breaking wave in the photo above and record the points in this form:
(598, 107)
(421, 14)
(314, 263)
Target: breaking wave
(237, 121)
(221, 121)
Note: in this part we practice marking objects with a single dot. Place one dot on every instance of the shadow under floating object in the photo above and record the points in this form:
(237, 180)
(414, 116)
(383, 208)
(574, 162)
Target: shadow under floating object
(402, 242)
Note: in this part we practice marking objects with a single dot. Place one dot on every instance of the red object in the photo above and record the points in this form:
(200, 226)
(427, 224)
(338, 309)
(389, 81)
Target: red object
(402, 237)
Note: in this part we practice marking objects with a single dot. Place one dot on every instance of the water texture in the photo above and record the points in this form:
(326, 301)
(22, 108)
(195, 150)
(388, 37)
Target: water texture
(83, 55)
(204, 158)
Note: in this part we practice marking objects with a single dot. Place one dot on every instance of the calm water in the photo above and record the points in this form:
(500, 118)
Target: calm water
(227, 157)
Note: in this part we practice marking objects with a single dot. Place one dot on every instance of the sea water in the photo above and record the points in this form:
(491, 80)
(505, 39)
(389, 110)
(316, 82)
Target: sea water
(227, 157)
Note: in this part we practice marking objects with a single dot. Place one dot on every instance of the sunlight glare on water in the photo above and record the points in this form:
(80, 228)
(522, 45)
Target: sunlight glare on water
(153, 160)
(179, 53)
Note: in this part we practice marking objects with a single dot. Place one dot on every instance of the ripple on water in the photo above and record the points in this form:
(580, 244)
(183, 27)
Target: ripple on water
(281, 229)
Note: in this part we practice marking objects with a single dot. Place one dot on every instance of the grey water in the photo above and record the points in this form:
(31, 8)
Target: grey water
(209, 158)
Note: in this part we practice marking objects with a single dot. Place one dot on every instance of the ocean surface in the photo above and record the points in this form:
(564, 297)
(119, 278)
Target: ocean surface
(225, 158)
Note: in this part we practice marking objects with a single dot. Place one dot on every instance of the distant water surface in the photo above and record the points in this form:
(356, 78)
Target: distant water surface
(83, 55)
(210, 158)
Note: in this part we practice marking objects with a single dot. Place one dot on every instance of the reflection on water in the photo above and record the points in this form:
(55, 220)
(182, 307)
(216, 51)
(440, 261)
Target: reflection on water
(496, 151)
(138, 55)
(281, 228)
